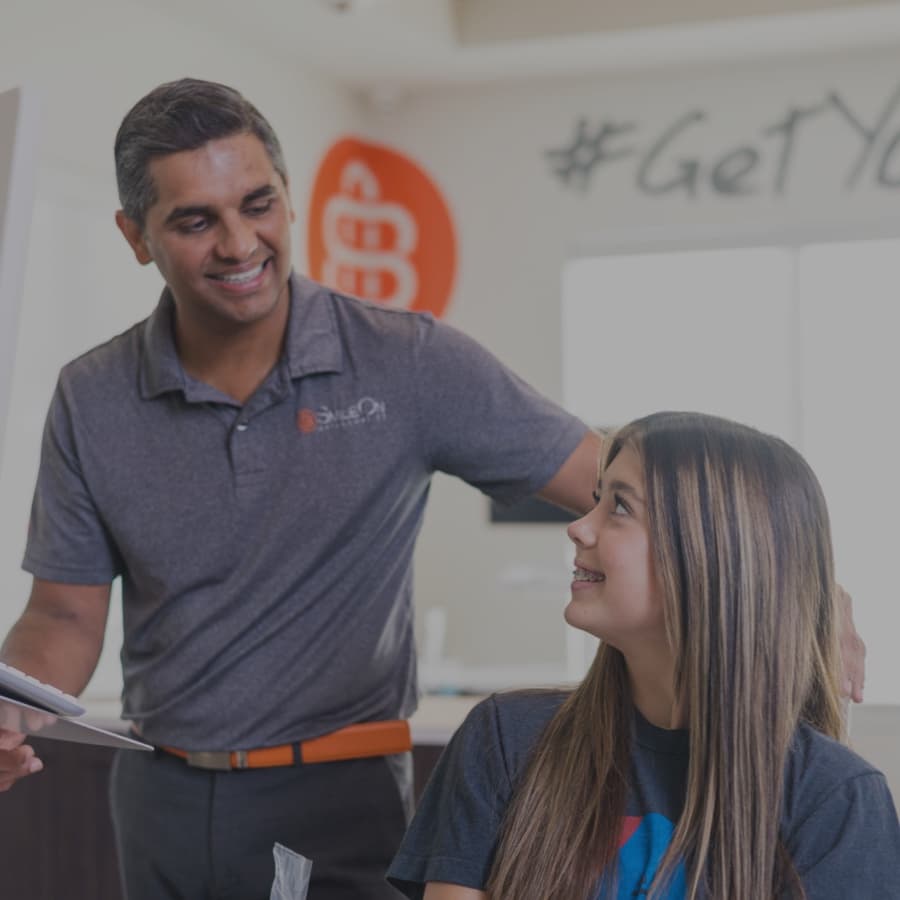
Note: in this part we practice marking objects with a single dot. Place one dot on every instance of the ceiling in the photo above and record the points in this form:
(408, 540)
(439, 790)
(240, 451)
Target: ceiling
(387, 46)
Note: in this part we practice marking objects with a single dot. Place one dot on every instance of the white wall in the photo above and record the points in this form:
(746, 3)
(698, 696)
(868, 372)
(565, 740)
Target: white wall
(518, 224)
(89, 62)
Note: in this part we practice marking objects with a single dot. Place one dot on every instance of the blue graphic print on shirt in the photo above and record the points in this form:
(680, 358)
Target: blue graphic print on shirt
(645, 840)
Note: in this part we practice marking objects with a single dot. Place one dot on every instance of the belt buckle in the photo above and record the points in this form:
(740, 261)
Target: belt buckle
(218, 760)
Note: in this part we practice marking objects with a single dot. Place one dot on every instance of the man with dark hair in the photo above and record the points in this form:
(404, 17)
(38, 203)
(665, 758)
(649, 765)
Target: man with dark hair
(182, 115)
(253, 460)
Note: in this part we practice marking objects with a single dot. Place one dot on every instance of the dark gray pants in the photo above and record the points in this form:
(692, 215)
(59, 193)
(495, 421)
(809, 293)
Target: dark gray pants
(189, 834)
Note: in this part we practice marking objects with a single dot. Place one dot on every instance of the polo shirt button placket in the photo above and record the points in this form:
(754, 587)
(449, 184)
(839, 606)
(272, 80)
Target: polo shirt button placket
(247, 459)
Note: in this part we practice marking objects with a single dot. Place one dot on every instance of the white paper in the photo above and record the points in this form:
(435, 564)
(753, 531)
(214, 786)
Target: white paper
(292, 873)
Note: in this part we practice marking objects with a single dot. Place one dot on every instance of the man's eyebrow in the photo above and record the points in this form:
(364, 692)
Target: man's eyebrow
(267, 190)
(188, 212)
(622, 487)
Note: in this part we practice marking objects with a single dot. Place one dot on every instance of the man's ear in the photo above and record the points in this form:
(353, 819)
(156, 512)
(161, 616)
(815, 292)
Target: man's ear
(290, 206)
(134, 234)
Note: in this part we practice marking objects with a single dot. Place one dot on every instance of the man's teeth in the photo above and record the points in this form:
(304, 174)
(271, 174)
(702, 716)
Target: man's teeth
(244, 276)
(584, 575)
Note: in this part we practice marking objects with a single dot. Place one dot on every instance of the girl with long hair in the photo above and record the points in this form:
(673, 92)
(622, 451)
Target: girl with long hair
(701, 756)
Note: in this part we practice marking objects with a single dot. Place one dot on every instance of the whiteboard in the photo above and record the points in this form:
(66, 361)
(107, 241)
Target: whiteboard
(17, 170)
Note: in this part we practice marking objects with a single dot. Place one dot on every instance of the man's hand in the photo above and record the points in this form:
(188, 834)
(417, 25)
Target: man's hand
(17, 759)
(853, 650)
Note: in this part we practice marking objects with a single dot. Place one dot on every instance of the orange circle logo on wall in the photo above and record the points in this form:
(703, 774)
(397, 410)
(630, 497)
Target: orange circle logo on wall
(380, 229)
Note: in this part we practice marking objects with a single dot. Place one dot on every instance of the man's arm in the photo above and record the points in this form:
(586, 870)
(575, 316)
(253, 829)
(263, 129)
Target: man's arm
(57, 640)
(575, 481)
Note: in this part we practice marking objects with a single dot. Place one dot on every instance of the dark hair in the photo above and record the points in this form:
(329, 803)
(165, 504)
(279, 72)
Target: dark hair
(176, 116)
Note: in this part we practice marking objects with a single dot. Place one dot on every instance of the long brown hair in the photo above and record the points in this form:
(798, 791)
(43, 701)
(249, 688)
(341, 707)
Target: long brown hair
(742, 551)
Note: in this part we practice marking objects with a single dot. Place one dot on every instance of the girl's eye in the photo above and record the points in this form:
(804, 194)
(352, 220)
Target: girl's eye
(621, 507)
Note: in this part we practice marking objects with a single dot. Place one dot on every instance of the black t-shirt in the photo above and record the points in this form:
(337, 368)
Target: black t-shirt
(838, 823)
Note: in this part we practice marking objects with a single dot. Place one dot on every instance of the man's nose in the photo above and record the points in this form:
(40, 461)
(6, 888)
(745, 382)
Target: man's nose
(237, 240)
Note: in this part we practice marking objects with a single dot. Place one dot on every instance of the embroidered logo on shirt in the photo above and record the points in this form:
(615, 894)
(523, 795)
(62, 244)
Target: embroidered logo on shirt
(363, 412)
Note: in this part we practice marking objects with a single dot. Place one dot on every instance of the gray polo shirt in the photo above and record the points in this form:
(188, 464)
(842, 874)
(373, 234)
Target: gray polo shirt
(265, 550)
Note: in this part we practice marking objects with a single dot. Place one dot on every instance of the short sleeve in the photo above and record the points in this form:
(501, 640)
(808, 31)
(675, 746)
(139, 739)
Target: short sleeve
(481, 422)
(850, 845)
(454, 833)
(67, 541)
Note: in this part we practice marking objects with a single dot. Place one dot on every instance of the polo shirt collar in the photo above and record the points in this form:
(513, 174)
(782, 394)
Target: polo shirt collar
(312, 344)
(161, 369)
(312, 341)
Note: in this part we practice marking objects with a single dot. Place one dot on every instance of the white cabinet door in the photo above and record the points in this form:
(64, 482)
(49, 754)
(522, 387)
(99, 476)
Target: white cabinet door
(801, 343)
(849, 367)
(709, 331)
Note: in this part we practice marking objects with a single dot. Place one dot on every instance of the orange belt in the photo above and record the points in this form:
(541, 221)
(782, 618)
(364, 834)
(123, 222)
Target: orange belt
(352, 742)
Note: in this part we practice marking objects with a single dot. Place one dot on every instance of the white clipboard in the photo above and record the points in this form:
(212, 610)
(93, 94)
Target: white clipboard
(22, 717)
